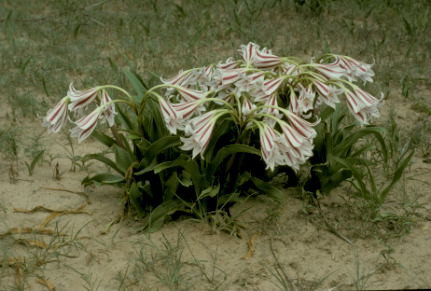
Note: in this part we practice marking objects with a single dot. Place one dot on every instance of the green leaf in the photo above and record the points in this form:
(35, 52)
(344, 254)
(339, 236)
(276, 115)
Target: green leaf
(157, 217)
(357, 175)
(123, 158)
(397, 175)
(134, 195)
(275, 192)
(103, 138)
(209, 192)
(171, 186)
(227, 151)
(104, 178)
(36, 159)
(101, 158)
(185, 179)
(354, 137)
(126, 118)
(161, 145)
(189, 165)
(138, 85)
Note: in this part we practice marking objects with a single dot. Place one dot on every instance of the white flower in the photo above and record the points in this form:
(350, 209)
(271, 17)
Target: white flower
(362, 105)
(109, 106)
(81, 98)
(56, 117)
(86, 124)
(200, 129)
(329, 94)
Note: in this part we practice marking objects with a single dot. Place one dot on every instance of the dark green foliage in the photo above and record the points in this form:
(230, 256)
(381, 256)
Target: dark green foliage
(161, 181)
(337, 142)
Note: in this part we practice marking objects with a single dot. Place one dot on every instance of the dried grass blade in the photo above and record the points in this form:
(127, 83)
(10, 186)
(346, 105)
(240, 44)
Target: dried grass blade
(44, 209)
(48, 219)
(44, 282)
(32, 243)
(250, 247)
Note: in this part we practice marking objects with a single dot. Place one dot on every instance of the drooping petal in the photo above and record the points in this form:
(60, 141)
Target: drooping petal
(199, 129)
(359, 99)
(330, 71)
(294, 138)
(80, 99)
(328, 93)
(109, 106)
(170, 116)
(82, 134)
(229, 64)
(263, 59)
(272, 85)
(179, 79)
(190, 94)
(302, 126)
(362, 105)
(247, 106)
(230, 76)
(186, 109)
(56, 117)
(88, 121)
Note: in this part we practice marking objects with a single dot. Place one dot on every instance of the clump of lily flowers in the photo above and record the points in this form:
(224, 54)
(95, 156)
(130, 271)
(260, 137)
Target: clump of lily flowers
(278, 97)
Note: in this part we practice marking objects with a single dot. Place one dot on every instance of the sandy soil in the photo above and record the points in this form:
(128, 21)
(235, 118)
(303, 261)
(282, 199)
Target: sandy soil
(95, 249)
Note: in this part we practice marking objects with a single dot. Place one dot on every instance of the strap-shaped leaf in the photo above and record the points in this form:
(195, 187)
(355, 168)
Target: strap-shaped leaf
(157, 217)
(125, 118)
(138, 85)
(134, 195)
(123, 158)
(357, 175)
(273, 191)
(101, 158)
(104, 178)
(103, 138)
(189, 165)
(161, 145)
(354, 137)
(227, 151)
(209, 192)
(402, 164)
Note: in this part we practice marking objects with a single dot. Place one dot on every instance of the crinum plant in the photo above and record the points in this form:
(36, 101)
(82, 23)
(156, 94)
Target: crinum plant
(198, 141)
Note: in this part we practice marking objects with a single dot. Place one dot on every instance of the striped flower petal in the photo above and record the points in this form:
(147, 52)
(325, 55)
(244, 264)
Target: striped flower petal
(109, 108)
(56, 117)
(272, 85)
(263, 59)
(80, 99)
